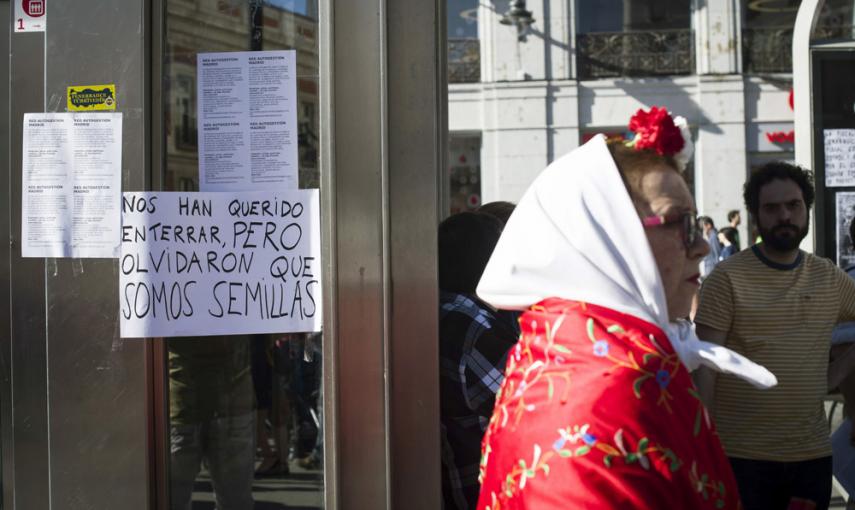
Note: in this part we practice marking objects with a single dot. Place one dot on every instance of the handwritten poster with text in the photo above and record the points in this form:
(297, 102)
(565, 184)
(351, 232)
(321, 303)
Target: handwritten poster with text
(839, 157)
(195, 264)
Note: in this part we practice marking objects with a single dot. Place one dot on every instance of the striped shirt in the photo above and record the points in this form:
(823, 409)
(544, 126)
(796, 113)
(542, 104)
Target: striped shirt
(781, 317)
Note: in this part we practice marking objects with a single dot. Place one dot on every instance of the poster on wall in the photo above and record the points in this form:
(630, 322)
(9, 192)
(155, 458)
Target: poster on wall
(845, 213)
(71, 185)
(247, 120)
(30, 15)
(198, 263)
(839, 157)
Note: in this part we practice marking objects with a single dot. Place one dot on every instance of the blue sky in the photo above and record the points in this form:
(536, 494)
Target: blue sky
(462, 18)
(298, 6)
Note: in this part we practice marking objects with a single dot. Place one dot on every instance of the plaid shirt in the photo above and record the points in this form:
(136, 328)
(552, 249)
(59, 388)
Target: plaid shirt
(474, 342)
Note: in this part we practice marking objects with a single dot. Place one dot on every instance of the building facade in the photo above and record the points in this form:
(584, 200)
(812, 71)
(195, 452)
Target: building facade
(531, 94)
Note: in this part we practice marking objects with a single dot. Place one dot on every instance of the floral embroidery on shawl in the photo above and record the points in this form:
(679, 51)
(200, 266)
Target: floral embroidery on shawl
(540, 376)
(656, 363)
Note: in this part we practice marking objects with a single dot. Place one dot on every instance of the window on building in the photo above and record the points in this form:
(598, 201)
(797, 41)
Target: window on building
(767, 31)
(308, 8)
(464, 47)
(836, 20)
(634, 38)
(624, 16)
(767, 35)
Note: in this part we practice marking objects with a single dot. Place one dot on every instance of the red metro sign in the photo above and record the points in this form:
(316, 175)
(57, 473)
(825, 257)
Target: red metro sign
(34, 8)
(781, 136)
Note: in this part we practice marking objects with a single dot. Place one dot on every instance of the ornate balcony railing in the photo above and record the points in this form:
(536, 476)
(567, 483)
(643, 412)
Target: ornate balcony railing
(767, 50)
(464, 60)
(648, 53)
(770, 49)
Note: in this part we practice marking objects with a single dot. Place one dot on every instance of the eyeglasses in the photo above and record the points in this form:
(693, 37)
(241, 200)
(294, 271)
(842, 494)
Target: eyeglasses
(690, 232)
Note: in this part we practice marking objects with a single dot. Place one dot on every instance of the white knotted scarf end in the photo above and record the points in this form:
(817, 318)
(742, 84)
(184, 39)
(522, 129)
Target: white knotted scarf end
(694, 352)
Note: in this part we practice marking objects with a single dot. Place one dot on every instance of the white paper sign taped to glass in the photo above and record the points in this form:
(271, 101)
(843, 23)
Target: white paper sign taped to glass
(839, 157)
(845, 214)
(247, 111)
(30, 15)
(71, 185)
(197, 264)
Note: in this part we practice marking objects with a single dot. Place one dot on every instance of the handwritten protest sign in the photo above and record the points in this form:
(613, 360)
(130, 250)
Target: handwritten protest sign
(839, 157)
(196, 264)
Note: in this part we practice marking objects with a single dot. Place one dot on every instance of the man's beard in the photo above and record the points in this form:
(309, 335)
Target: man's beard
(774, 237)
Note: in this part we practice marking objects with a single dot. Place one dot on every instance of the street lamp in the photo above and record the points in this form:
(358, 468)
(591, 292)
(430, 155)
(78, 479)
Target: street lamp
(519, 17)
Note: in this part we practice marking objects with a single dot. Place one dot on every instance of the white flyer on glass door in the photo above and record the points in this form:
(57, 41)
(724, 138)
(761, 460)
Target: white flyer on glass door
(247, 120)
(30, 15)
(839, 157)
(71, 185)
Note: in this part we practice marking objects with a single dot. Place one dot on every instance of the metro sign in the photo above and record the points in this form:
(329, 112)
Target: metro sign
(30, 15)
(34, 8)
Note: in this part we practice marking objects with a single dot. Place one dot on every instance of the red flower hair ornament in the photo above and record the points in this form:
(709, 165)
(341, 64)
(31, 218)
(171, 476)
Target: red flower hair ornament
(667, 136)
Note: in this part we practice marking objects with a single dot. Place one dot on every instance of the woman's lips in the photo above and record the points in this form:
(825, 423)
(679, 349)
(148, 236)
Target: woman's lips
(694, 279)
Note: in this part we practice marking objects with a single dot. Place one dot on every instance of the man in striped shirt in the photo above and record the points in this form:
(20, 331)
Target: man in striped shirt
(777, 305)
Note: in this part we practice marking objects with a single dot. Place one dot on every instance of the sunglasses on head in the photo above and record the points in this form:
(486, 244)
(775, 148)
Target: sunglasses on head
(691, 229)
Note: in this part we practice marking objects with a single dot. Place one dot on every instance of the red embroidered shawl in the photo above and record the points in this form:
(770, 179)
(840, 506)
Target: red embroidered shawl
(596, 411)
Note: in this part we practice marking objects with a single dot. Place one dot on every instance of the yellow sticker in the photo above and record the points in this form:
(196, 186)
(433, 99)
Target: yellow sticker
(87, 98)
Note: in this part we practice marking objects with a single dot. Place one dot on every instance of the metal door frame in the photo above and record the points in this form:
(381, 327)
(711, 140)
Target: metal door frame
(6, 466)
(383, 186)
(26, 93)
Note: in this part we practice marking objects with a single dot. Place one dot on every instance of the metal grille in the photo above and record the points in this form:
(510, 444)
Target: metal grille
(770, 49)
(767, 50)
(464, 60)
(649, 53)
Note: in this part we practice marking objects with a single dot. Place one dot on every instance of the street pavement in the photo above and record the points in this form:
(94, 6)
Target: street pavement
(302, 489)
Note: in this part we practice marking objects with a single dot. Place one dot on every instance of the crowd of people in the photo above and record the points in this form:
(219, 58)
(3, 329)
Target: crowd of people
(602, 346)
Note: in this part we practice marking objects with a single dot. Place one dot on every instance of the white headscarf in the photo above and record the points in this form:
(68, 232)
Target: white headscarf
(576, 235)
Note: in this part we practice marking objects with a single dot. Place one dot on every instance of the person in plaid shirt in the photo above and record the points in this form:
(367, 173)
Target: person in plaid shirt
(474, 339)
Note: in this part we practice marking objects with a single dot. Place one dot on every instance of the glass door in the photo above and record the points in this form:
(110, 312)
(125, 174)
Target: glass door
(244, 416)
(348, 419)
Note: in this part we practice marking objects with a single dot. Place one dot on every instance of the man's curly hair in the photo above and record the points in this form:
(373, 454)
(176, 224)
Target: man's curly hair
(778, 170)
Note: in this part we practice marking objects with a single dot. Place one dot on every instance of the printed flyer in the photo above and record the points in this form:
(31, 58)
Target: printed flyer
(247, 120)
(72, 185)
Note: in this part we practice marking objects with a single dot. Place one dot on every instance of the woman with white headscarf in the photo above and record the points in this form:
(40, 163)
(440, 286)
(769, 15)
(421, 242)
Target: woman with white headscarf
(597, 409)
